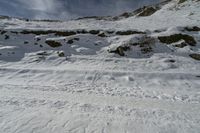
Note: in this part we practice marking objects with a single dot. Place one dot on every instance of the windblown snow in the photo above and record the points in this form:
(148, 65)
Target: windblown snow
(134, 73)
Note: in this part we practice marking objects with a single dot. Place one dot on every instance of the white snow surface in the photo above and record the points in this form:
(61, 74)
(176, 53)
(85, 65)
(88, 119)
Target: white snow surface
(89, 89)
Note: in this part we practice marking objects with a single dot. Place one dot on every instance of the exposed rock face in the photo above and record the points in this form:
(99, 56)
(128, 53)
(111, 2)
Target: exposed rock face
(57, 33)
(128, 32)
(148, 11)
(195, 56)
(181, 1)
(120, 50)
(61, 54)
(177, 37)
(181, 45)
(53, 44)
(94, 32)
(194, 28)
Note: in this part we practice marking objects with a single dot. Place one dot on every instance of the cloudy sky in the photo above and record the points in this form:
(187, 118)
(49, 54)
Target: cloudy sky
(68, 9)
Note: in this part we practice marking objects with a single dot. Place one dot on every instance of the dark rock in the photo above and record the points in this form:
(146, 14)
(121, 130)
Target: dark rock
(57, 33)
(195, 28)
(126, 15)
(38, 39)
(37, 32)
(53, 44)
(181, 1)
(65, 33)
(177, 37)
(102, 35)
(82, 31)
(146, 50)
(120, 50)
(170, 60)
(110, 32)
(94, 32)
(181, 45)
(43, 53)
(195, 56)
(4, 17)
(3, 32)
(76, 39)
(26, 42)
(6, 37)
(148, 11)
(128, 32)
(14, 32)
(115, 18)
(61, 54)
(70, 41)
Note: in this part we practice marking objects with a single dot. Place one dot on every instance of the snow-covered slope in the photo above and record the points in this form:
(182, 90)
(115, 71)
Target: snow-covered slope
(139, 72)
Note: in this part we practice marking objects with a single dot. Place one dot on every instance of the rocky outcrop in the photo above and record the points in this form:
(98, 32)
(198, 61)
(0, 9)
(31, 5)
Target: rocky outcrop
(178, 37)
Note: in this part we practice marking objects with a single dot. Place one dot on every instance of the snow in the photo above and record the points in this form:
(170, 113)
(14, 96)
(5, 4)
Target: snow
(90, 89)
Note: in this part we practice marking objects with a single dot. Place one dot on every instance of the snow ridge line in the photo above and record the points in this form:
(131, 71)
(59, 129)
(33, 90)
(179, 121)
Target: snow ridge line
(91, 70)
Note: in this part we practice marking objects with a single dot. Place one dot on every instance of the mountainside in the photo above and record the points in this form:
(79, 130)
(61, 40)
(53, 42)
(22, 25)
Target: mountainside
(136, 72)
(68, 9)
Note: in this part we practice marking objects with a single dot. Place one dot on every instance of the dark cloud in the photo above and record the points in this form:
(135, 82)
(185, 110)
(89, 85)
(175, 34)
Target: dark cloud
(67, 9)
